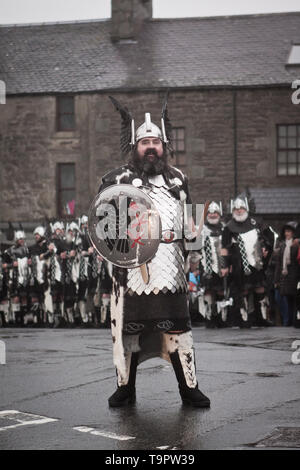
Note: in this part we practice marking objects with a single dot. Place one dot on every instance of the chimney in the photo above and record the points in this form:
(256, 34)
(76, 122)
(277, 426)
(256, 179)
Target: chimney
(128, 16)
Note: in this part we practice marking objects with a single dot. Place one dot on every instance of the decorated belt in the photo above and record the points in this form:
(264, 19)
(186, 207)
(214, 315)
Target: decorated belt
(169, 236)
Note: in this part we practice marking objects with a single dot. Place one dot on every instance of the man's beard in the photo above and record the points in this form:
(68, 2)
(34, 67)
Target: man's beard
(240, 218)
(147, 166)
(213, 220)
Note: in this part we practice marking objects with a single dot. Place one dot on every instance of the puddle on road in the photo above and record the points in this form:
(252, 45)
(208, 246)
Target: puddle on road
(281, 437)
(267, 374)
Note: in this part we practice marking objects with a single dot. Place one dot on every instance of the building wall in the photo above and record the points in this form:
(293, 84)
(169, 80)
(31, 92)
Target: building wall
(30, 147)
(258, 113)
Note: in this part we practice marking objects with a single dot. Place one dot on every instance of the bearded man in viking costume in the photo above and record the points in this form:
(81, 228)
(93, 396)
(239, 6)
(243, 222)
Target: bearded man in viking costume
(149, 310)
(246, 247)
(38, 283)
(16, 257)
(212, 308)
(57, 247)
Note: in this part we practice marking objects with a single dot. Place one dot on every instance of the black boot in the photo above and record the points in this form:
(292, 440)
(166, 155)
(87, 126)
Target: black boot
(194, 397)
(190, 395)
(260, 304)
(125, 394)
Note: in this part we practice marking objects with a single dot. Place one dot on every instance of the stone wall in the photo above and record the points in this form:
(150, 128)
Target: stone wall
(30, 147)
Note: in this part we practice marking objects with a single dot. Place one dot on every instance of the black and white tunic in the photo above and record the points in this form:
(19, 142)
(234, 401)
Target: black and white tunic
(244, 241)
(162, 304)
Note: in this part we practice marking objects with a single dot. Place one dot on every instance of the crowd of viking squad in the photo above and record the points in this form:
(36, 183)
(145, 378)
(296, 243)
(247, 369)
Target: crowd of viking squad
(244, 275)
(57, 281)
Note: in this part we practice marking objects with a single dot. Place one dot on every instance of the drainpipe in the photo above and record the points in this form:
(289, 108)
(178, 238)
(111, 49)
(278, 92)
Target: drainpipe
(234, 119)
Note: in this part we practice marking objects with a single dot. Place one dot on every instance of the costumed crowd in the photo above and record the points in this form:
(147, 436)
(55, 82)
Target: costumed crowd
(57, 281)
(244, 275)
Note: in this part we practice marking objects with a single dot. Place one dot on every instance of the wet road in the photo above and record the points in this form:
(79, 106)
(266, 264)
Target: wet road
(55, 385)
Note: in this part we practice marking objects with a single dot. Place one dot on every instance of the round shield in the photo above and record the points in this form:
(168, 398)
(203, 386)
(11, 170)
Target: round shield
(124, 226)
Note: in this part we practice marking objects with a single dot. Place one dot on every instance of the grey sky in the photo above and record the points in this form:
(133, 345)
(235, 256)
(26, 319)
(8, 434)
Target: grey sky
(32, 11)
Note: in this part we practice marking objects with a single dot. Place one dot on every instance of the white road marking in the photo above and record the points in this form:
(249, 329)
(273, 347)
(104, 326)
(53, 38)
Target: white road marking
(96, 432)
(2, 352)
(23, 419)
(167, 447)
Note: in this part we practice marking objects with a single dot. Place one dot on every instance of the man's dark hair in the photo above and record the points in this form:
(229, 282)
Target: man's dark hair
(143, 165)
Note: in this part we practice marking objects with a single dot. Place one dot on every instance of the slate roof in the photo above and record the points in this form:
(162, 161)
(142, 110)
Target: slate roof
(276, 200)
(249, 50)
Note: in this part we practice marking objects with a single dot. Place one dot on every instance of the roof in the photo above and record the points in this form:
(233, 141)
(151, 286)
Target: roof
(249, 50)
(276, 200)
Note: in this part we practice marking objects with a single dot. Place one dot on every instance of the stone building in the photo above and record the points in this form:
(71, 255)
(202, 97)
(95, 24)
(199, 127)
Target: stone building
(235, 114)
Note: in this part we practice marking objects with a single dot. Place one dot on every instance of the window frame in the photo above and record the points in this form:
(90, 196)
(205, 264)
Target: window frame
(60, 189)
(179, 155)
(60, 128)
(287, 149)
(177, 128)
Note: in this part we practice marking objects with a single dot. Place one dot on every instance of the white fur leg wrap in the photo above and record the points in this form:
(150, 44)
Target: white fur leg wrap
(208, 306)
(103, 313)
(183, 344)
(123, 375)
(131, 345)
(264, 307)
(82, 309)
(4, 307)
(5, 310)
(208, 299)
(187, 359)
(116, 312)
(173, 342)
(15, 307)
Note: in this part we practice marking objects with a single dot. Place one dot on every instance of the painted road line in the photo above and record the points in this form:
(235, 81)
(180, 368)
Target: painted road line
(97, 432)
(22, 419)
(167, 448)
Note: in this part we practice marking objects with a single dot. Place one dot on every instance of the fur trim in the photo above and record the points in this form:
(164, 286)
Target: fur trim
(183, 344)
(187, 359)
(175, 342)
(117, 313)
(15, 307)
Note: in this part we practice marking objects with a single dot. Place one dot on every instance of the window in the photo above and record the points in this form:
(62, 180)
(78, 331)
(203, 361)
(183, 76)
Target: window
(294, 56)
(178, 139)
(288, 149)
(66, 189)
(178, 142)
(65, 116)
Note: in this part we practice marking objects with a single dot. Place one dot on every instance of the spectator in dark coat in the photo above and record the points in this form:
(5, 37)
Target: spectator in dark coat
(287, 273)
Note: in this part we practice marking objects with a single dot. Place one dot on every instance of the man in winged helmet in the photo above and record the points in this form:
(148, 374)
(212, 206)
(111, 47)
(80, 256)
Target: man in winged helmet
(150, 316)
(16, 257)
(246, 247)
(214, 312)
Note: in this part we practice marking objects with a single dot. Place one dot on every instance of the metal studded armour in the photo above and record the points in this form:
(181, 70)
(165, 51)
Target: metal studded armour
(250, 249)
(166, 269)
(211, 261)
